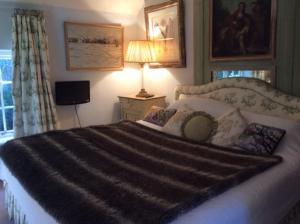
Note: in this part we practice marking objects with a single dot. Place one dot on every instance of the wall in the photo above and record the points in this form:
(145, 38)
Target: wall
(105, 86)
(5, 28)
(122, 7)
(296, 81)
(285, 65)
(288, 49)
(165, 80)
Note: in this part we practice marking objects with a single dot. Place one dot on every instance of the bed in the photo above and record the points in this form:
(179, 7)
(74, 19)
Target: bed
(270, 197)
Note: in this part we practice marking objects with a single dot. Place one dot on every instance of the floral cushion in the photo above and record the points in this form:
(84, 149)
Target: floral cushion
(159, 115)
(260, 139)
(199, 126)
(173, 126)
(230, 127)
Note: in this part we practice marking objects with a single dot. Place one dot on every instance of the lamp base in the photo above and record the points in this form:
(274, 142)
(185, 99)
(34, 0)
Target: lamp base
(143, 93)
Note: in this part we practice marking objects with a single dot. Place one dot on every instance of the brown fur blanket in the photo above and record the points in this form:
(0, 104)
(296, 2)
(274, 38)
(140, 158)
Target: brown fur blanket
(124, 173)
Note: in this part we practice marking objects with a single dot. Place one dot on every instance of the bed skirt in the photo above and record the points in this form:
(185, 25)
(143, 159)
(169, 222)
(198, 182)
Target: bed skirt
(15, 214)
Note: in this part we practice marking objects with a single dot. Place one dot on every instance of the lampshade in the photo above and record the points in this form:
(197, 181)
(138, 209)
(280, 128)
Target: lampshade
(140, 51)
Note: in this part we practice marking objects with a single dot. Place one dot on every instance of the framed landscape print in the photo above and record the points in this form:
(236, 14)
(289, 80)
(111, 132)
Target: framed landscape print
(242, 30)
(165, 27)
(93, 46)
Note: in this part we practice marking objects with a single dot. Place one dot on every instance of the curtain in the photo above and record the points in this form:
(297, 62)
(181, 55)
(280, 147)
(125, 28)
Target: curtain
(34, 110)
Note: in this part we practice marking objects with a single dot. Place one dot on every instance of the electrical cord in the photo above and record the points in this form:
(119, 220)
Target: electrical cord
(77, 115)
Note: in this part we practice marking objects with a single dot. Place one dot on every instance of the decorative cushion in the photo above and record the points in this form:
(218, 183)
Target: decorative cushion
(260, 139)
(199, 126)
(230, 126)
(159, 115)
(173, 126)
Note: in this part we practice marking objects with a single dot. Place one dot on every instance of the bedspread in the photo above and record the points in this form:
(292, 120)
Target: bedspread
(124, 173)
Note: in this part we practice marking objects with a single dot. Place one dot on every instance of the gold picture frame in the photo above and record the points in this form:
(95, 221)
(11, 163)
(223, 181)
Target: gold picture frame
(94, 46)
(242, 30)
(165, 27)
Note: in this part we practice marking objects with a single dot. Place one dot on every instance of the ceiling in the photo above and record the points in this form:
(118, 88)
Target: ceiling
(127, 7)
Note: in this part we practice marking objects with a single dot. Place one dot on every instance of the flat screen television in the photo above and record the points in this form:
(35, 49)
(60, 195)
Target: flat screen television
(72, 92)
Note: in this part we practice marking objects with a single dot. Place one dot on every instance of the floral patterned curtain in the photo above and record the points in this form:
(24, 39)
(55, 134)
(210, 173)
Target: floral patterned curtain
(34, 107)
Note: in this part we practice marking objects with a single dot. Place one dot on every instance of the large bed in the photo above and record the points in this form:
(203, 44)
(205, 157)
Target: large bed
(269, 197)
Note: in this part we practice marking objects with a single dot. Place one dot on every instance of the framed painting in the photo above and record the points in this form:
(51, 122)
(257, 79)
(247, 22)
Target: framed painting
(165, 27)
(93, 46)
(242, 30)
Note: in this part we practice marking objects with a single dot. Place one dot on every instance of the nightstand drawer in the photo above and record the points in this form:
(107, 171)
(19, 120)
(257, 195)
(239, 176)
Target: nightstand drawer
(135, 108)
(129, 104)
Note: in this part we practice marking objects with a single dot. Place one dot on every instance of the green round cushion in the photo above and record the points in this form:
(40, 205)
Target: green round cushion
(199, 126)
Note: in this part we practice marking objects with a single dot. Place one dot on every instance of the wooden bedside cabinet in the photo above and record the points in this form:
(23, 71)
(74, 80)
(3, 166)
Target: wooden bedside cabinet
(135, 108)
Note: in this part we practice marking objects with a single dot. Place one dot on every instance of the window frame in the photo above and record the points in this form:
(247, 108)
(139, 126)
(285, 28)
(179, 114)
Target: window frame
(5, 54)
(270, 69)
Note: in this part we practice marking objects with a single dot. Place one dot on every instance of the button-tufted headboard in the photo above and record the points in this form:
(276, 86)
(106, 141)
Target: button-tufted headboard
(248, 94)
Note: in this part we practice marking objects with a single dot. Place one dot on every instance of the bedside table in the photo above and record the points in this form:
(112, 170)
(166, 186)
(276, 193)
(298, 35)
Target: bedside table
(135, 108)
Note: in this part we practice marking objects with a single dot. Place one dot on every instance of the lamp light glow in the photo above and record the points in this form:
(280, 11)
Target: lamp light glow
(141, 51)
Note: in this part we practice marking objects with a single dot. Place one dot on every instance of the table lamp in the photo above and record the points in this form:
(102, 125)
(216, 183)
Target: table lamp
(141, 51)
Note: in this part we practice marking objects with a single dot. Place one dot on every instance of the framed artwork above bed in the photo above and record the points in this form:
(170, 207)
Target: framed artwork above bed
(94, 46)
(242, 30)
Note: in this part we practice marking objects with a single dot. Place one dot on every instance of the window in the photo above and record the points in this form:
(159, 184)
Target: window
(265, 75)
(6, 101)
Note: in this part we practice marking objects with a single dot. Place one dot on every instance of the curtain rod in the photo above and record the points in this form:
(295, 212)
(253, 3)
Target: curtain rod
(28, 12)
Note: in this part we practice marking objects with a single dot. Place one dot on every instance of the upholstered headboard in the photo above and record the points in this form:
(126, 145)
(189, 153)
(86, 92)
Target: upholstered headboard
(248, 94)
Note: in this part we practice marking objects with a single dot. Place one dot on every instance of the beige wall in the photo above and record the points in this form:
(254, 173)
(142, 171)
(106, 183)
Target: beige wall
(105, 85)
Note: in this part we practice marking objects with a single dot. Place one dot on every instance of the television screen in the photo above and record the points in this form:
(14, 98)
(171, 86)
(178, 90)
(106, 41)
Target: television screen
(72, 92)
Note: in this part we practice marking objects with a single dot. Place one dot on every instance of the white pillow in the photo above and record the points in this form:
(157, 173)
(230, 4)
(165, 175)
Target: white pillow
(197, 103)
(173, 126)
(276, 122)
(230, 126)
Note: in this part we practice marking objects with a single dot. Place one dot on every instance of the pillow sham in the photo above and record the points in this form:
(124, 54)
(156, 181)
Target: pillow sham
(198, 103)
(199, 126)
(260, 139)
(291, 141)
(230, 126)
(173, 126)
(158, 115)
(268, 120)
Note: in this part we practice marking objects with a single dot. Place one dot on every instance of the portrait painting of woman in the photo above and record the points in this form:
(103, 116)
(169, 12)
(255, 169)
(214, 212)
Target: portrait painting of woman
(242, 29)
